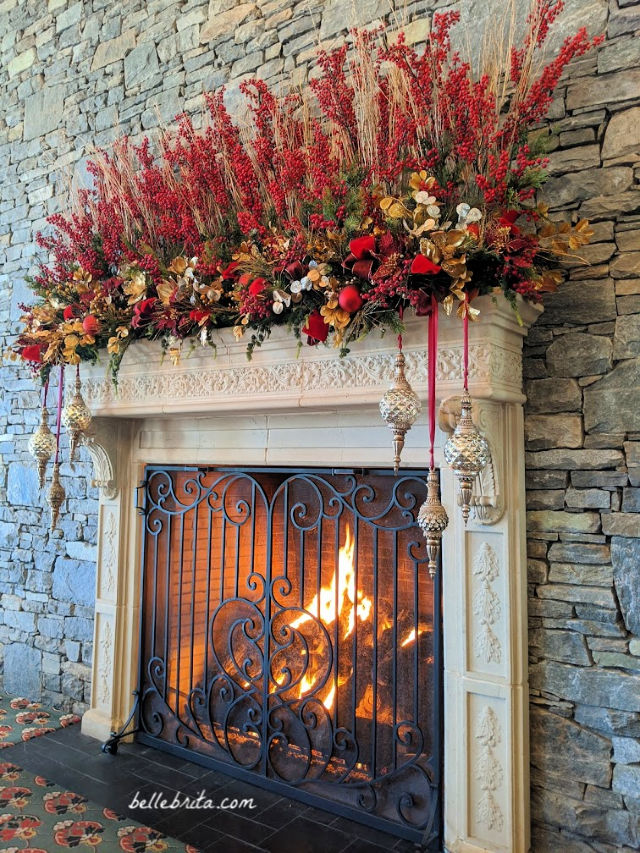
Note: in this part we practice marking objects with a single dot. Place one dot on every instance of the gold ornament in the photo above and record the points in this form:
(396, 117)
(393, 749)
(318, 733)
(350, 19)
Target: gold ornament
(399, 407)
(56, 495)
(76, 418)
(433, 520)
(42, 445)
(466, 453)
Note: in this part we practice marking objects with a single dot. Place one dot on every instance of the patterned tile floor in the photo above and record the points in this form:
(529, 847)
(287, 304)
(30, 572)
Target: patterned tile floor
(277, 825)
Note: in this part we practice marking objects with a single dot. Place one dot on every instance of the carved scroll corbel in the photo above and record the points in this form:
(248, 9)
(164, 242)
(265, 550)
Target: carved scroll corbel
(101, 441)
(487, 501)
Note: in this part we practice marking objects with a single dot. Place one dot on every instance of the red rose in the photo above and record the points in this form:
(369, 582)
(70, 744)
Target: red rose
(423, 266)
(90, 324)
(244, 279)
(68, 313)
(349, 298)
(316, 328)
(473, 229)
(257, 286)
(33, 352)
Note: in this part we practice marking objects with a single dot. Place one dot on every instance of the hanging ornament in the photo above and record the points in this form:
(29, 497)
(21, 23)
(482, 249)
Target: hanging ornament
(433, 520)
(56, 491)
(42, 443)
(432, 517)
(467, 451)
(76, 417)
(56, 495)
(400, 406)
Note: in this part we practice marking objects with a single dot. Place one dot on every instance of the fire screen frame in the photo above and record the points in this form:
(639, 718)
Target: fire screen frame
(157, 720)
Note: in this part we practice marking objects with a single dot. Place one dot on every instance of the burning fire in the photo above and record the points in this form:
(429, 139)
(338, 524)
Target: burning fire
(339, 600)
(340, 595)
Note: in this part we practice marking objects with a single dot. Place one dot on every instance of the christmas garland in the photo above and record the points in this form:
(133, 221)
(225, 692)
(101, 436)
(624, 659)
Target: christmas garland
(397, 179)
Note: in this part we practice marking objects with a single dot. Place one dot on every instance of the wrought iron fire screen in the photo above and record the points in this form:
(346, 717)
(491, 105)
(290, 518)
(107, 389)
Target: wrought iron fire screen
(291, 636)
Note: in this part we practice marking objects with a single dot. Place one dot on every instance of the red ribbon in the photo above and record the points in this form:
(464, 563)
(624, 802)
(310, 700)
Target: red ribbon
(465, 351)
(45, 391)
(432, 355)
(400, 314)
(59, 417)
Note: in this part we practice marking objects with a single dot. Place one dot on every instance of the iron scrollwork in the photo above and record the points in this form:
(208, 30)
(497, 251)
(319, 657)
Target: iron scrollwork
(279, 691)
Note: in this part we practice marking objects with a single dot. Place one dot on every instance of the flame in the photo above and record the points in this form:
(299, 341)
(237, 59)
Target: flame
(340, 594)
(338, 600)
(411, 636)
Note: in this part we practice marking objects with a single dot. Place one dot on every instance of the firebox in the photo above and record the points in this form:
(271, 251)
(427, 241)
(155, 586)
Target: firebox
(291, 636)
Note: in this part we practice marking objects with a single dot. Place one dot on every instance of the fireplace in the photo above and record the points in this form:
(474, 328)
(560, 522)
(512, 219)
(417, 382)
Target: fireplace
(303, 409)
(291, 636)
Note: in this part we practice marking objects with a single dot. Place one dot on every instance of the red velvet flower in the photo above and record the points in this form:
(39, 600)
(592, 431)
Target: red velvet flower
(316, 328)
(198, 314)
(257, 286)
(90, 324)
(230, 270)
(142, 310)
(68, 313)
(33, 352)
(362, 256)
(423, 266)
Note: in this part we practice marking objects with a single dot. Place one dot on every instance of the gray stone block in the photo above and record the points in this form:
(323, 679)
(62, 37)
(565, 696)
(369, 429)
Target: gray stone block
(589, 301)
(579, 354)
(562, 746)
(625, 556)
(78, 628)
(43, 111)
(74, 581)
(22, 666)
(611, 404)
(545, 396)
(586, 685)
(22, 485)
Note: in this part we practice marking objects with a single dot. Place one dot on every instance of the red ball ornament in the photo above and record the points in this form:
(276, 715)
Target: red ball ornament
(90, 324)
(349, 298)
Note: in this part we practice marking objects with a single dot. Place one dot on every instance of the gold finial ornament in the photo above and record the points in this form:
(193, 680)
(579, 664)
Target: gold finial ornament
(42, 445)
(399, 407)
(433, 520)
(56, 495)
(76, 418)
(466, 453)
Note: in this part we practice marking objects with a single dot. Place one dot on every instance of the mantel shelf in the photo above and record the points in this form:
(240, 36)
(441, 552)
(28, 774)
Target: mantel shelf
(281, 376)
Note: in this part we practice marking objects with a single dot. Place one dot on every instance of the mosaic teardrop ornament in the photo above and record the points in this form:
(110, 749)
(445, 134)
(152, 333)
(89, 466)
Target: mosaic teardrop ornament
(76, 418)
(399, 407)
(433, 520)
(56, 495)
(466, 453)
(42, 445)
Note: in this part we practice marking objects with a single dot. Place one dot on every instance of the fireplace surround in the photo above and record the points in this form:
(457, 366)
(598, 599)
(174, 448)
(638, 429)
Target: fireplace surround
(314, 410)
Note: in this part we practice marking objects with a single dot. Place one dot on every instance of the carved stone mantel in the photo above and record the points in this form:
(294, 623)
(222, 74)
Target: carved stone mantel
(304, 408)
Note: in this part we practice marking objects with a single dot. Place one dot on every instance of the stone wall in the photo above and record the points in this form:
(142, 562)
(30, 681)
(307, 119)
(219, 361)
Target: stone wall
(583, 470)
(76, 73)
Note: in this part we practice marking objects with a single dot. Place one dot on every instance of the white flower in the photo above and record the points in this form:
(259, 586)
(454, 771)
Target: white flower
(203, 336)
(280, 300)
(423, 197)
(296, 287)
(434, 211)
(278, 307)
(462, 209)
(467, 214)
(313, 264)
(305, 283)
(474, 215)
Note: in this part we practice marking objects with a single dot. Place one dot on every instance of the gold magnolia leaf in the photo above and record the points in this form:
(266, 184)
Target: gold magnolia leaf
(178, 265)
(386, 202)
(166, 289)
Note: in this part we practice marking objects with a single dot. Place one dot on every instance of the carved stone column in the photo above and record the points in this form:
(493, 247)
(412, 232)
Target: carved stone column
(117, 586)
(486, 689)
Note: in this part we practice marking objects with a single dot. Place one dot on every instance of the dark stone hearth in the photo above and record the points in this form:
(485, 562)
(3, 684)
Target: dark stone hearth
(276, 825)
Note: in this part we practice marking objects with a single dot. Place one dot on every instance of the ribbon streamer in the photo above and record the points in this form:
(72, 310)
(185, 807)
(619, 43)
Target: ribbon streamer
(465, 351)
(432, 355)
(59, 414)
